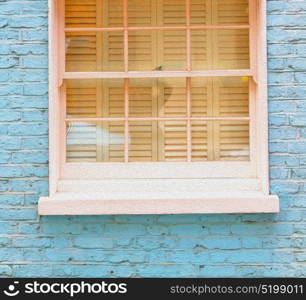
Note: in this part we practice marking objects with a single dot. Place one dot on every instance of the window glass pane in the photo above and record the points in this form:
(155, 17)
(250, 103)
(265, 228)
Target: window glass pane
(163, 97)
(143, 50)
(219, 12)
(94, 98)
(142, 13)
(93, 13)
(232, 142)
(230, 12)
(95, 141)
(220, 49)
(220, 96)
(220, 141)
(143, 141)
(143, 98)
(172, 97)
(171, 46)
(153, 50)
(156, 13)
(174, 141)
(94, 51)
(157, 141)
(199, 138)
(233, 96)
(172, 13)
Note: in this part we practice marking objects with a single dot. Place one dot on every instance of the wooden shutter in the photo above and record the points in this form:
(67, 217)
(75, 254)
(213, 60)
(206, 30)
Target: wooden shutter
(231, 12)
(231, 46)
(148, 50)
(202, 131)
(171, 43)
(143, 134)
(100, 141)
(80, 13)
(200, 12)
(81, 97)
(81, 47)
(231, 138)
(220, 140)
(172, 134)
(112, 105)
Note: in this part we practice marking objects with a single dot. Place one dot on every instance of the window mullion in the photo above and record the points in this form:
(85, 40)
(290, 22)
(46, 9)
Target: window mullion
(126, 81)
(188, 79)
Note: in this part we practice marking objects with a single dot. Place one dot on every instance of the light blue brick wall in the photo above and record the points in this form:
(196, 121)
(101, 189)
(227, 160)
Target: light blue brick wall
(178, 245)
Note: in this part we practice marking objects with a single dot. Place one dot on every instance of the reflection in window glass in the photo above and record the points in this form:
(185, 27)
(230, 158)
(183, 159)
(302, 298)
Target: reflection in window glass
(95, 141)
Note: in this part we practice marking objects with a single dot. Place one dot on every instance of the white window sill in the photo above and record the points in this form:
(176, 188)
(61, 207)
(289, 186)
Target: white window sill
(155, 197)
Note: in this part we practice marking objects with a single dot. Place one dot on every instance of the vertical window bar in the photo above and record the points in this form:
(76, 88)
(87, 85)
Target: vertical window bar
(188, 80)
(189, 137)
(126, 81)
(252, 36)
(126, 35)
(188, 34)
(126, 122)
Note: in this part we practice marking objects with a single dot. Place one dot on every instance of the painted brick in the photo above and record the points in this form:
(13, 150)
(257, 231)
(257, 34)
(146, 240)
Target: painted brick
(282, 133)
(34, 62)
(27, 22)
(145, 246)
(26, 128)
(298, 120)
(284, 160)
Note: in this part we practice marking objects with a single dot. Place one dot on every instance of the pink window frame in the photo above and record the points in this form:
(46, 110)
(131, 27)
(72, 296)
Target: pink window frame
(258, 88)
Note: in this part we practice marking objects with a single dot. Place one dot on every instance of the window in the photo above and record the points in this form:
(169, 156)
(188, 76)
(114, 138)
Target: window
(158, 106)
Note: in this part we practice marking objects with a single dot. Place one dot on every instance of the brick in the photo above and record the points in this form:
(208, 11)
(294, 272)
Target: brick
(284, 160)
(298, 120)
(23, 49)
(28, 128)
(282, 106)
(35, 89)
(11, 199)
(27, 22)
(35, 35)
(8, 62)
(282, 133)
(284, 187)
(297, 147)
(9, 116)
(93, 242)
(34, 62)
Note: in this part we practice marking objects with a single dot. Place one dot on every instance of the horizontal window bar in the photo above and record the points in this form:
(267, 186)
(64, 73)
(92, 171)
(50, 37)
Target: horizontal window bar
(157, 74)
(87, 29)
(159, 119)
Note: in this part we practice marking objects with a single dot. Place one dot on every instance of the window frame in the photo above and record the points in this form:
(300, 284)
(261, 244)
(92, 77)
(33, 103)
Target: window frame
(257, 167)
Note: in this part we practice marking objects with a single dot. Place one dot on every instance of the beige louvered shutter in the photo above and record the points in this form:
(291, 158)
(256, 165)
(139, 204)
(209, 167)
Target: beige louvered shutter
(81, 96)
(201, 50)
(111, 43)
(231, 46)
(143, 137)
(81, 100)
(81, 47)
(172, 134)
(142, 43)
(171, 43)
(230, 95)
(112, 132)
(231, 138)
(112, 92)
(202, 131)
(143, 134)
(100, 141)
